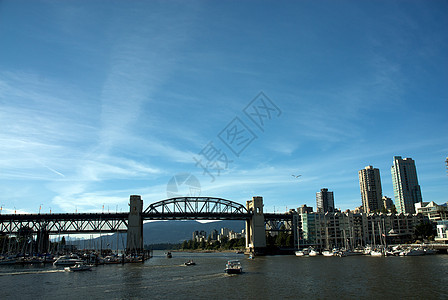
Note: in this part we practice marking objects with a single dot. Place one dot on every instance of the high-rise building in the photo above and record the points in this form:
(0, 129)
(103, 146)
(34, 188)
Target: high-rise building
(325, 201)
(406, 188)
(387, 203)
(370, 186)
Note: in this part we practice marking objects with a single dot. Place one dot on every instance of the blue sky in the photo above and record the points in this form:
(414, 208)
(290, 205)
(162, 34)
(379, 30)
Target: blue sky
(103, 99)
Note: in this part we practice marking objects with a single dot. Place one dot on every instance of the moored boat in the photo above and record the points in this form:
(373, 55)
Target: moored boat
(302, 252)
(412, 252)
(376, 253)
(313, 253)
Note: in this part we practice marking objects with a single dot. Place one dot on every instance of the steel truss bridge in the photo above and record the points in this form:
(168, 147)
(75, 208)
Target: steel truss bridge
(180, 208)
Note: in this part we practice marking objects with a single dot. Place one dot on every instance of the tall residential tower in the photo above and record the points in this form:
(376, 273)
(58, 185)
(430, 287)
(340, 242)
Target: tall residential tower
(406, 188)
(370, 186)
(324, 201)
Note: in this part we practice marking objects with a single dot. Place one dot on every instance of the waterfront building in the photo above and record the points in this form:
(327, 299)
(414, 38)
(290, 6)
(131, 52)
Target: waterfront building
(432, 211)
(406, 188)
(370, 186)
(325, 201)
(442, 231)
(388, 204)
(351, 230)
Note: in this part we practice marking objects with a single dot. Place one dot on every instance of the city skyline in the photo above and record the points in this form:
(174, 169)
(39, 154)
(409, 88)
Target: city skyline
(99, 102)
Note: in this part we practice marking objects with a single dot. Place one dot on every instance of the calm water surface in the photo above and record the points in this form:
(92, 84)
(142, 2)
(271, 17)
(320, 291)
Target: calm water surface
(270, 277)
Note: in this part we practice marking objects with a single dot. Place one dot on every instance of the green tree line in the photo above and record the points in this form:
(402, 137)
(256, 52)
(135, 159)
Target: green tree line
(223, 244)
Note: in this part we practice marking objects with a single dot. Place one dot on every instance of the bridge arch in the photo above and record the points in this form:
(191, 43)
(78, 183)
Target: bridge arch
(196, 208)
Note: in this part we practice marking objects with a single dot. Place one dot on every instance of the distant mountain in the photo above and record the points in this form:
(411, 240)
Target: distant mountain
(179, 231)
(164, 232)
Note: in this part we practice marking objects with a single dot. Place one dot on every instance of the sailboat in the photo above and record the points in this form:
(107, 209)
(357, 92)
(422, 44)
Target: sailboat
(376, 252)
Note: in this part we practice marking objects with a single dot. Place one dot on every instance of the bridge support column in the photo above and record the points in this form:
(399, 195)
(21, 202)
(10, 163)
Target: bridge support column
(135, 225)
(255, 228)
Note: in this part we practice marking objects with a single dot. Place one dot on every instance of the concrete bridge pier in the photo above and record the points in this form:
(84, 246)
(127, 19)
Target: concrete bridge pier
(135, 225)
(255, 227)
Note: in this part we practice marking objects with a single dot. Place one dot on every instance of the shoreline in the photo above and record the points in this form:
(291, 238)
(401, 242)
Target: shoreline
(208, 251)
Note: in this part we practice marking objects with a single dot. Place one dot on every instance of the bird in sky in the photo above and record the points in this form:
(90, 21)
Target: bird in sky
(296, 176)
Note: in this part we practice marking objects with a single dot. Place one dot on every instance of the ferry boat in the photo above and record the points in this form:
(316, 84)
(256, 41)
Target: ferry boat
(233, 267)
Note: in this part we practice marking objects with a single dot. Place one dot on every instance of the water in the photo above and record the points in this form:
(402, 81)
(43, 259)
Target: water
(270, 277)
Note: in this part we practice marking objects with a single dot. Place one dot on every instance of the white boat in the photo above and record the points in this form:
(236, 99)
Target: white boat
(78, 268)
(313, 253)
(413, 252)
(376, 253)
(302, 252)
(68, 260)
(367, 250)
(327, 253)
(233, 267)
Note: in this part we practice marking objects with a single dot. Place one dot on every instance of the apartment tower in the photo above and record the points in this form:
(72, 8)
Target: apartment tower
(406, 188)
(370, 186)
(324, 201)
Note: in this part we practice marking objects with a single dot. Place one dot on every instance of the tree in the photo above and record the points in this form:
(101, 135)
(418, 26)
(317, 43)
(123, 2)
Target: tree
(184, 245)
(424, 230)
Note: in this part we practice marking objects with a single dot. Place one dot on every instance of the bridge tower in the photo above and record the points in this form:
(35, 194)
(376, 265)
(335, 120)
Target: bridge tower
(135, 225)
(255, 228)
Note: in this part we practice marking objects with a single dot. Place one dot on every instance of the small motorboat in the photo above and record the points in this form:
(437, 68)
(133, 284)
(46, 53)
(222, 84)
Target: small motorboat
(302, 252)
(190, 263)
(78, 268)
(168, 255)
(68, 260)
(233, 267)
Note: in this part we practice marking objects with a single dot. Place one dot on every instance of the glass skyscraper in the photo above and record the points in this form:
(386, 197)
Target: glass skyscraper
(406, 188)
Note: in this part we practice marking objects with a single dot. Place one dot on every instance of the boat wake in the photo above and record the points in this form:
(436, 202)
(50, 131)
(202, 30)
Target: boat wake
(31, 272)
